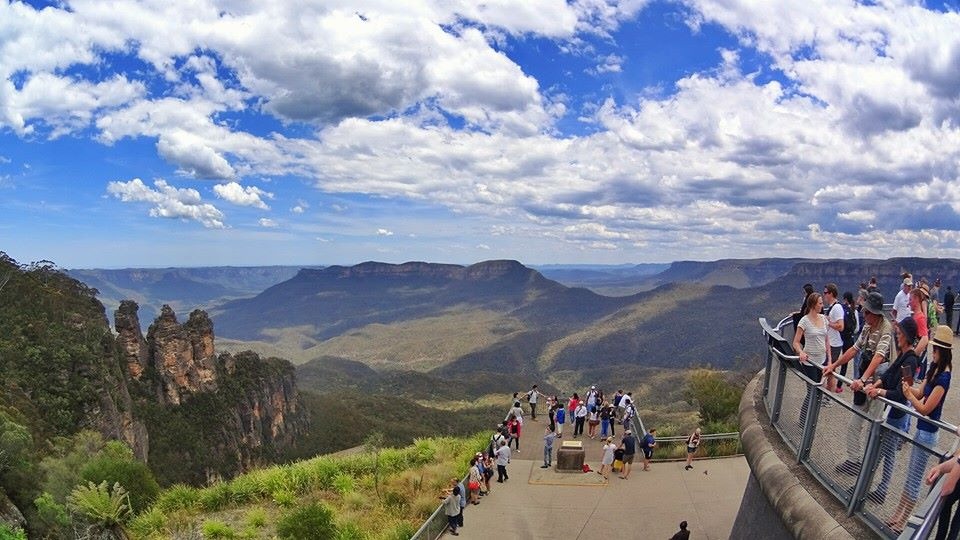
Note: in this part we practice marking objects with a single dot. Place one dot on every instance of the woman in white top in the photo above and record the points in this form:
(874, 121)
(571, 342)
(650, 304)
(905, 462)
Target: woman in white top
(812, 329)
(606, 463)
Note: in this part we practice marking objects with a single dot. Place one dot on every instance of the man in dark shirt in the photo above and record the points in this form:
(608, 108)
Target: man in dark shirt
(629, 446)
(949, 298)
(683, 533)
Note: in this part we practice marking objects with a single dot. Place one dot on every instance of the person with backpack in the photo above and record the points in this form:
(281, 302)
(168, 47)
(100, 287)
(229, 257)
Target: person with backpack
(836, 322)
(532, 396)
(851, 327)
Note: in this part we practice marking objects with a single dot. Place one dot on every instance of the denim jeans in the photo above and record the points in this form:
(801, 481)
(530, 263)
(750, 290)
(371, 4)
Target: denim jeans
(918, 462)
(604, 428)
(547, 456)
(888, 450)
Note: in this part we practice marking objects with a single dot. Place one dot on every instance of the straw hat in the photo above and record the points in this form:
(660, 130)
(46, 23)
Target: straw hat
(943, 337)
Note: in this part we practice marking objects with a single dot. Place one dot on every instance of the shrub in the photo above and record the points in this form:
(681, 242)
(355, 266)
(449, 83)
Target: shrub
(311, 522)
(350, 531)
(355, 500)
(403, 531)
(53, 516)
(99, 504)
(214, 497)
(6, 533)
(178, 497)
(217, 529)
(133, 475)
(284, 498)
(256, 518)
(148, 523)
(343, 483)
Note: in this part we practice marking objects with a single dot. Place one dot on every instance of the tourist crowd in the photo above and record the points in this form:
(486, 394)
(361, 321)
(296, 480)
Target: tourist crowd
(593, 416)
(903, 356)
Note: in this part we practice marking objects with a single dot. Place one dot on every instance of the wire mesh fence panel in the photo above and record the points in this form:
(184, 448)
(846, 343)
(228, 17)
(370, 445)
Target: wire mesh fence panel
(897, 481)
(838, 445)
(793, 409)
(775, 366)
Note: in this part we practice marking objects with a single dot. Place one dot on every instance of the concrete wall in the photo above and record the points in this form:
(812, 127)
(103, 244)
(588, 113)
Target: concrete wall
(756, 518)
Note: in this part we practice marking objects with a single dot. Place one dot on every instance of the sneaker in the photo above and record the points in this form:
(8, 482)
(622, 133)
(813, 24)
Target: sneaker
(544, 466)
(688, 467)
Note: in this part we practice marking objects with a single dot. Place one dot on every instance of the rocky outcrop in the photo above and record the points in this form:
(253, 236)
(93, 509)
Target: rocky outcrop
(237, 411)
(10, 515)
(130, 342)
(183, 355)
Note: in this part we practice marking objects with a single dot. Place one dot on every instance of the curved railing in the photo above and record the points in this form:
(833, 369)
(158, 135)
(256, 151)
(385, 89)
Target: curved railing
(821, 429)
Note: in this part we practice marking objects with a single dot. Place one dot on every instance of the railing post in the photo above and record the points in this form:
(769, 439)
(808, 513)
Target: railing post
(870, 459)
(778, 396)
(766, 371)
(810, 422)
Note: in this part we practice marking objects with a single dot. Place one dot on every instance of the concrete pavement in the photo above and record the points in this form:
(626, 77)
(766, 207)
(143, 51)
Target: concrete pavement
(648, 505)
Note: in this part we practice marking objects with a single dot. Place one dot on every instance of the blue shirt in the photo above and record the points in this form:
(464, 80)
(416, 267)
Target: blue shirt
(648, 441)
(561, 415)
(943, 380)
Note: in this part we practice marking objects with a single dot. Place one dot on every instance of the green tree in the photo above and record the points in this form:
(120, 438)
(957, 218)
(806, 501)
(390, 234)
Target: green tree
(718, 399)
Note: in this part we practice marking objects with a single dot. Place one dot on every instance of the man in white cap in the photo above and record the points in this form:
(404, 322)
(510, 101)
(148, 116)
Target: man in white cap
(901, 304)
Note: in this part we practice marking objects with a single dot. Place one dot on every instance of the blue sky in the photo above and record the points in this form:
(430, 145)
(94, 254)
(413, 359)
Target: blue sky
(204, 132)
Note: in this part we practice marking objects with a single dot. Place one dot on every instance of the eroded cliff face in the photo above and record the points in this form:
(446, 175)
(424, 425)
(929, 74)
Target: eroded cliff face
(244, 409)
(182, 355)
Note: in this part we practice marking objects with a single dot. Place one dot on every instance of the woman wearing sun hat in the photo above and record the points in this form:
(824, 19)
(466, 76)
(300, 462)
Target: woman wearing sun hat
(927, 400)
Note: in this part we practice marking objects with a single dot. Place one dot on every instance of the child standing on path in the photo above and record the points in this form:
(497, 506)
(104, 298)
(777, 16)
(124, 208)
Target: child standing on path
(548, 438)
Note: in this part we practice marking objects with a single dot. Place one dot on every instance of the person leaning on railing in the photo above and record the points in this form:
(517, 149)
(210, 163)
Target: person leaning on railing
(927, 400)
(872, 349)
(946, 527)
(890, 386)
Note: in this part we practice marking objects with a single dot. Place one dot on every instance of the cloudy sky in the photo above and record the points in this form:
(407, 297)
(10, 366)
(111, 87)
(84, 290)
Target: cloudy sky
(206, 132)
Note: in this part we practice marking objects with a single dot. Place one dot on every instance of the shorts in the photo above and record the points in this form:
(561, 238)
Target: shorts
(647, 452)
(691, 449)
(628, 458)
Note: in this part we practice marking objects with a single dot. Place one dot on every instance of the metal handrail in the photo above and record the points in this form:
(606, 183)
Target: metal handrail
(703, 437)
(930, 507)
(899, 406)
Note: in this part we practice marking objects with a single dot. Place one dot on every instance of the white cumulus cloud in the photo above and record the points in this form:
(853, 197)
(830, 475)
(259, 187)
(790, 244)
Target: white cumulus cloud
(234, 193)
(168, 201)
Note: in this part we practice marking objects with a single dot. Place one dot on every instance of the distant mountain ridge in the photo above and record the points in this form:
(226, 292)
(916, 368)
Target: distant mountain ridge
(336, 299)
(184, 289)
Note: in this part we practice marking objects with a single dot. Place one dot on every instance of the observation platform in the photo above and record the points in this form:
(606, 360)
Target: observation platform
(545, 504)
(800, 439)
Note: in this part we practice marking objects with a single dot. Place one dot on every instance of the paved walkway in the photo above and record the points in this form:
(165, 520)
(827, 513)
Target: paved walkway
(648, 505)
